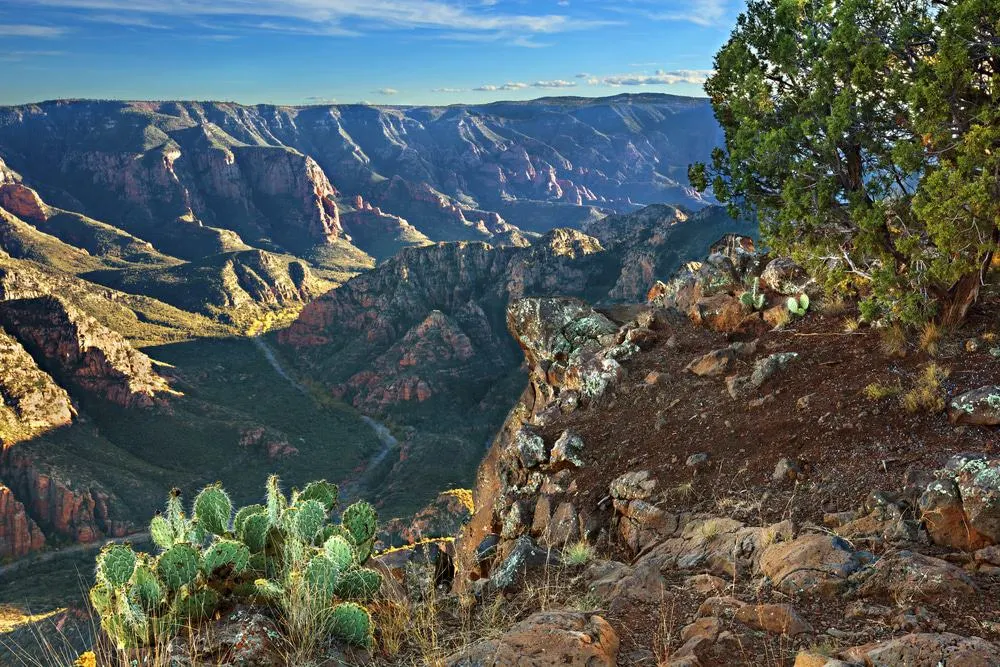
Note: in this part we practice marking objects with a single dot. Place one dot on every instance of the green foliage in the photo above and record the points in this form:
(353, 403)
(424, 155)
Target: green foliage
(212, 509)
(115, 565)
(865, 136)
(798, 306)
(361, 522)
(178, 565)
(753, 298)
(226, 554)
(353, 624)
(202, 566)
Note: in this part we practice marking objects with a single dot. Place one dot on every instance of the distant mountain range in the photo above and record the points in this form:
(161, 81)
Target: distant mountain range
(140, 242)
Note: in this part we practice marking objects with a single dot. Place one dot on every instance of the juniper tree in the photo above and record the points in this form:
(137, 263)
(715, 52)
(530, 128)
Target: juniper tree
(864, 136)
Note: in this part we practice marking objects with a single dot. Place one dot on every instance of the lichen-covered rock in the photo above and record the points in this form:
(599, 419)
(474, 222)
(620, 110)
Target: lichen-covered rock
(524, 555)
(635, 485)
(763, 370)
(785, 277)
(979, 486)
(567, 451)
(547, 639)
(979, 407)
(931, 650)
(943, 514)
(910, 576)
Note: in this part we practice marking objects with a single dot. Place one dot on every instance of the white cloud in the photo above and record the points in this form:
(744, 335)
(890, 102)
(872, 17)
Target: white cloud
(18, 56)
(24, 30)
(582, 75)
(490, 88)
(558, 83)
(660, 78)
(454, 16)
(448, 90)
(387, 91)
(699, 12)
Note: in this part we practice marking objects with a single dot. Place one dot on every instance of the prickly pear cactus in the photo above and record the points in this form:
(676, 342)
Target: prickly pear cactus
(340, 552)
(212, 509)
(323, 491)
(322, 577)
(195, 604)
(276, 501)
(254, 531)
(308, 518)
(178, 566)
(146, 590)
(228, 555)
(361, 522)
(243, 514)
(352, 623)
(360, 585)
(115, 564)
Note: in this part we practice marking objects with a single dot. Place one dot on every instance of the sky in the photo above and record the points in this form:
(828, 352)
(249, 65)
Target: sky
(425, 52)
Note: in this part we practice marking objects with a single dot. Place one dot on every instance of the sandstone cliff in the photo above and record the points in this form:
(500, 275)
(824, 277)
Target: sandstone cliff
(78, 349)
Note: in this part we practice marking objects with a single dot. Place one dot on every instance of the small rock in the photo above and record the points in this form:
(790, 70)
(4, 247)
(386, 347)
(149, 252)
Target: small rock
(697, 461)
(523, 556)
(568, 451)
(636, 485)
(530, 448)
(979, 407)
(787, 470)
(713, 364)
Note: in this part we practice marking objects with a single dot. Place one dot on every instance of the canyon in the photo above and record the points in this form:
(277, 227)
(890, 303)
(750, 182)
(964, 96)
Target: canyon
(374, 248)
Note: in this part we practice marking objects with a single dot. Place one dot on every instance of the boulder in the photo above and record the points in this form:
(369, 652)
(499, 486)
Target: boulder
(979, 407)
(785, 277)
(567, 452)
(814, 564)
(716, 362)
(524, 555)
(979, 486)
(635, 485)
(932, 650)
(546, 639)
(907, 577)
(944, 517)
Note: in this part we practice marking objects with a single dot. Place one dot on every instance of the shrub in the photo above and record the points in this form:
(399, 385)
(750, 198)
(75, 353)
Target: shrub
(286, 552)
(926, 395)
(579, 553)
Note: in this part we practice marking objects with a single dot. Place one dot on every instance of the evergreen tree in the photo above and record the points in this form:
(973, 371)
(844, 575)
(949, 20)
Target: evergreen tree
(864, 135)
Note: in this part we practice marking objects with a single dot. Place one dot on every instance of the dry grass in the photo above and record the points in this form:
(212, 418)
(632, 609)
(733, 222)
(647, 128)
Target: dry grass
(894, 341)
(851, 324)
(578, 554)
(876, 391)
(930, 338)
(926, 394)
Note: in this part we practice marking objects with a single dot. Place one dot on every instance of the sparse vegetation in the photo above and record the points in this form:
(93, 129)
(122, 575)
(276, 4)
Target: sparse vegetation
(926, 394)
(579, 553)
(876, 391)
(930, 338)
(893, 341)
(798, 306)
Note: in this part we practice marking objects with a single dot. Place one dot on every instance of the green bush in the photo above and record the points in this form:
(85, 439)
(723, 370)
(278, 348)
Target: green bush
(286, 552)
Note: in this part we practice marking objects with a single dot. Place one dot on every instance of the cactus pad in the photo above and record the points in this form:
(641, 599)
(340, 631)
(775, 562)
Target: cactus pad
(360, 585)
(322, 576)
(196, 604)
(229, 556)
(323, 491)
(361, 521)
(146, 589)
(308, 519)
(115, 564)
(213, 508)
(352, 623)
(243, 514)
(255, 530)
(177, 566)
(276, 501)
(340, 552)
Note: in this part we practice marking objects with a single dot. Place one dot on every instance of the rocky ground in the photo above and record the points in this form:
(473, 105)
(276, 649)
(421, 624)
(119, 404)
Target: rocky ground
(751, 500)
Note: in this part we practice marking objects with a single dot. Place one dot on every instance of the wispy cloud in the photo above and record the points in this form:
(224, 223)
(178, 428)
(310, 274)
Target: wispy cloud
(448, 90)
(490, 88)
(699, 12)
(18, 56)
(661, 77)
(558, 83)
(455, 17)
(386, 91)
(25, 30)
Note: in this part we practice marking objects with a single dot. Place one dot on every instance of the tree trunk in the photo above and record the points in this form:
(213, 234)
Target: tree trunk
(960, 297)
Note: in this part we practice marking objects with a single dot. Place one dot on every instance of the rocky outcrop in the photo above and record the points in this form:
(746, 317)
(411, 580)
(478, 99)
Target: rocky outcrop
(379, 234)
(30, 400)
(23, 202)
(76, 348)
(19, 534)
(61, 506)
(547, 639)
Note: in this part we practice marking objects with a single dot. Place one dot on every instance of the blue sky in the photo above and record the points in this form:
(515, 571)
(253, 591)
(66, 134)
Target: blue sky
(348, 51)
